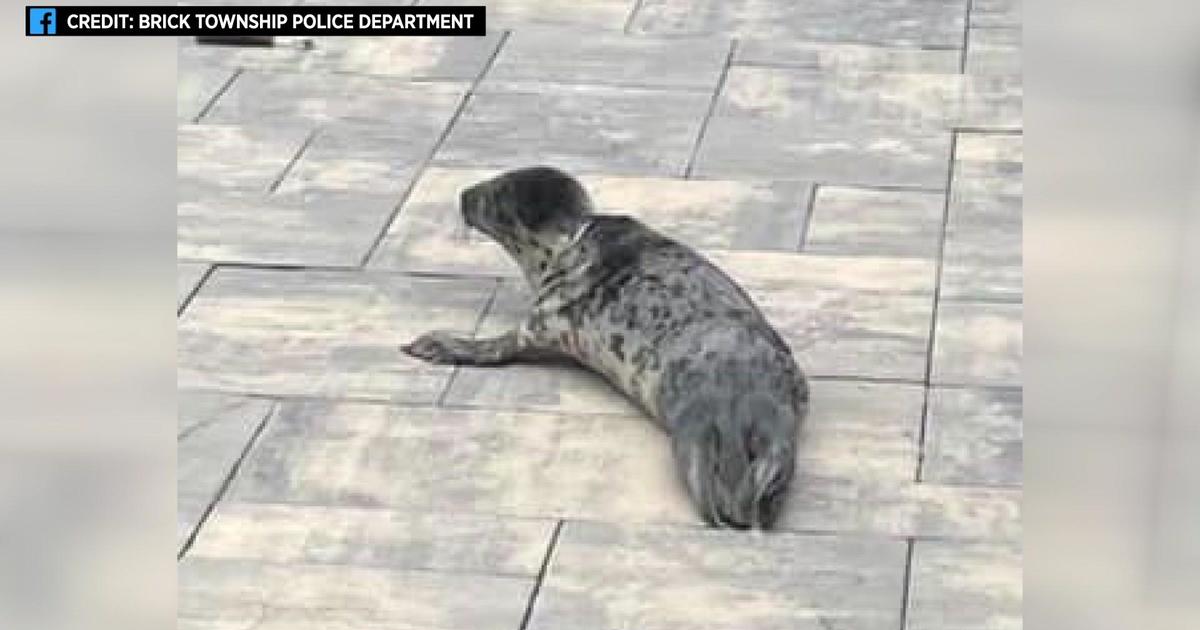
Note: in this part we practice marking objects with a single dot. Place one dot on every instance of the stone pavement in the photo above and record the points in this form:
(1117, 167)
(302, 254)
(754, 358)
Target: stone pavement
(856, 164)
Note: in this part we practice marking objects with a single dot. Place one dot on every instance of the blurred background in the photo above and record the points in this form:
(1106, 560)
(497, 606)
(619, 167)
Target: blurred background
(1112, 352)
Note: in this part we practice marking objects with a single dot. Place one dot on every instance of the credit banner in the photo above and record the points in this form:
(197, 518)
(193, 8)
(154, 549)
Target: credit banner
(142, 21)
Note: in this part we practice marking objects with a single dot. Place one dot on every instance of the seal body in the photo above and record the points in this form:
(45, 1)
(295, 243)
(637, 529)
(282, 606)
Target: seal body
(660, 323)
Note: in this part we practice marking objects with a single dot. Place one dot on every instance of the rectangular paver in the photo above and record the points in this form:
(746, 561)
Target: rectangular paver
(974, 436)
(995, 51)
(856, 128)
(416, 58)
(965, 587)
(321, 333)
(913, 22)
(606, 576)
(578, 128)
(429, 233)
(214, 431)
(369, 537)
(878, 222)
(534, 56)
(226, 594)
(978, 343)
(845, 57)
(235, 157)
(298, 98)
(309, 228)
(982, 257)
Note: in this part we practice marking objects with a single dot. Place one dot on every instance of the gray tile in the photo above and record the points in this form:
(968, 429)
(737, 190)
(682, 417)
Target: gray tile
(541, 464)
(213, 432)
(983, 255)
(236, 157)
(429, 233)
(994, 51)
(974, 436)
(309, 228)
(321, 333)
(227, 594)
(611, 576)
(188, 276)
(1006, 13)
(308, 100)
(582, 17)
(978, 343)
(845, 57)
(196, 85)
(991, 101)
(913, 22)
(879, 222)
(578, 128)
(374, 158)
(965, 587)
(367, 537)
(533, 56)
(420, 58)
(857, 128)
(904, 509)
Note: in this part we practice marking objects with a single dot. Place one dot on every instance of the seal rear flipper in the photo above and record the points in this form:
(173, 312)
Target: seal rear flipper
(731, 486)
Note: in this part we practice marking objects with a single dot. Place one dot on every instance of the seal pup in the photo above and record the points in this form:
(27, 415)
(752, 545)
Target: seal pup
(660, 323)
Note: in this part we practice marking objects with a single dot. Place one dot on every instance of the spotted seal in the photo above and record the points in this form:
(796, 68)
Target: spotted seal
(660, 323)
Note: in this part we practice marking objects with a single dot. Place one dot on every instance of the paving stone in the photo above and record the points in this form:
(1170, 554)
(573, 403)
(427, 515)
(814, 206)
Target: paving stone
(309, 228)
(214, 430)
(196, 85)
(420, 58)
(236, 157)
(982, 257)
(974, 436)
(376, 158)
(321, 333)
(978, 343)
(994, 51)
(859, 446)
(534, 56)
(840, 56)
(656, 578)
(904, 509)
(227, 594)
(879, 222)
(1005, 13)
(965, 587)
(911, 22)
(859, 128)
(578, 128)
(299, 534)
(188, 276)
(309, 100)
(991, 101)
(430, 235)
(588, 17)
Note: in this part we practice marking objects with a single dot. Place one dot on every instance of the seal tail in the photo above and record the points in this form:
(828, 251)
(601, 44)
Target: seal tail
(733, 486)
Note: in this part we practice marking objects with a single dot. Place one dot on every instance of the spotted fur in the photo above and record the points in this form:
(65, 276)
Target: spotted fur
(661, 323)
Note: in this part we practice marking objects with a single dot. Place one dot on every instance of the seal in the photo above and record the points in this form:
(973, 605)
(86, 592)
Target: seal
(661, 323)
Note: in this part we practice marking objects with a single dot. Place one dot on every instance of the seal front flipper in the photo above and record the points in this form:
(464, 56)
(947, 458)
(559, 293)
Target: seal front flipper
(444, 348)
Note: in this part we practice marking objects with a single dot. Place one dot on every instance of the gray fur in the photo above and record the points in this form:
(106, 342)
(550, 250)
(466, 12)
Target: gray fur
(661, 323)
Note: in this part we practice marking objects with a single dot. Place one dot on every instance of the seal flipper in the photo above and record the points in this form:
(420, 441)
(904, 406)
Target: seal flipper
(734, 484)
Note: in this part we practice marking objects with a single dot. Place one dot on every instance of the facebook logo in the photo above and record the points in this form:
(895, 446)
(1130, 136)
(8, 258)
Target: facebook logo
(43, 21)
